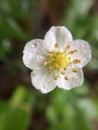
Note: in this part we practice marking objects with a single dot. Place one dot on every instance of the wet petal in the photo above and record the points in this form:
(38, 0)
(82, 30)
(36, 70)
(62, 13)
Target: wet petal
(83, 51)
(34, 54)
(73, 79)
(60, 35)
(43, 81)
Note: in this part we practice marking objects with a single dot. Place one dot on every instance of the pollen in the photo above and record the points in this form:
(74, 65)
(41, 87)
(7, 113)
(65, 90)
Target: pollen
(59, 61)
(45, 63)
(65, 77)
(67, 47)
(49, 70)
(56, 60)
(56, 66)
(62, 72)
(74, 70)
(49, 53)
(56, 45)
(69, 58)
(75, 61)
(55, 77)
(72, 52)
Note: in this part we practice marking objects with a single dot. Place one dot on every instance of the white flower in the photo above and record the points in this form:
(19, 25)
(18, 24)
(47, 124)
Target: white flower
(57, 60)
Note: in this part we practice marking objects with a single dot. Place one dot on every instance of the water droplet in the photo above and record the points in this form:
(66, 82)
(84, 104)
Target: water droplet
(33, 46)
(49, 80)
(36, 56)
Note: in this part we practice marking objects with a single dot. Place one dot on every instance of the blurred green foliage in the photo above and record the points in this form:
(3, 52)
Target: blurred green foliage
(15, 114)
(24, 108)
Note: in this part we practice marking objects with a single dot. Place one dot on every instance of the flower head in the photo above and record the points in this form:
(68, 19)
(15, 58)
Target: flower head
(57, 60)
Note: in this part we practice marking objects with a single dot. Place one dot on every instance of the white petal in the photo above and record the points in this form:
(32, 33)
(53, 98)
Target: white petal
(34, 54)
(58, 34)
(43, 81)
(74, 79)
(84, 51)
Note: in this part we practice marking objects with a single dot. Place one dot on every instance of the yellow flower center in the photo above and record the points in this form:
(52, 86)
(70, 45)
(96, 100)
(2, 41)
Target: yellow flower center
(58, 61)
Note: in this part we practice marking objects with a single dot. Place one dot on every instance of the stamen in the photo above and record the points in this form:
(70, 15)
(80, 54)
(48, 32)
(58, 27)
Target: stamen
(49, 53)
(65, 77)
(56, 45)
(64, 68)
(58, 53)
(49, 70)
(74, 70)
(62, 72)
(68, 58)
(57, 61)
(75, 50)
(45, 63)
(53, 59)
(67, 47)
(55, 77)
(56, 66)
(72, 52)
(75, 61)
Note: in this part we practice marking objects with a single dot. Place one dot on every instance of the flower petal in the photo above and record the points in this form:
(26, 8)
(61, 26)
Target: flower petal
(83, 53)
(58, 34)
(34, 54)
(43, 80)
(74, 79)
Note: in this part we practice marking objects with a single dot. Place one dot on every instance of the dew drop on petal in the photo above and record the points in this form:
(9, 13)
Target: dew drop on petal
(33, 46)
(36, 56)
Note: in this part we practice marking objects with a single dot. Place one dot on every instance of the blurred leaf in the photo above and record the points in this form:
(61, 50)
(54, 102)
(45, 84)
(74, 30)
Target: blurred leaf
(16, 115)
(10, 29)
(81, 120)
(96, 105)
(52, 115)
(88, 107)
(18, 9)
(4, 108)
(78, 8)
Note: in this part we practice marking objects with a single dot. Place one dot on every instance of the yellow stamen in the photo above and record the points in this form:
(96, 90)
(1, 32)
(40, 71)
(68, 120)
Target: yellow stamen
(75, 50)
(72, 52)
(62, 72)
(53, 59)
(75, 61)
(58, 53)
(56, 45)
(45, 63)
(49, 53)
(68, 58)
(56, 66)
(55, 77)
(57, 61)
(49, 70)
(74, 70)
(65, 77)
(67, 47)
